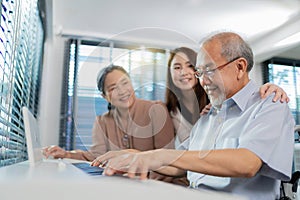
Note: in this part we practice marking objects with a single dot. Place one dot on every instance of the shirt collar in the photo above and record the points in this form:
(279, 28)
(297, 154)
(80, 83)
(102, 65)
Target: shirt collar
(239, 98)
(245, 93)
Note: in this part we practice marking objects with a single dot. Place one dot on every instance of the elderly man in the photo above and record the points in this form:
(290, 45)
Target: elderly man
(244, 145)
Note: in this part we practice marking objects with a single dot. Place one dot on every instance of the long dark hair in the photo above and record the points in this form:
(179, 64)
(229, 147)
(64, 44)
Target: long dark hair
(173, 93)
(102, 76)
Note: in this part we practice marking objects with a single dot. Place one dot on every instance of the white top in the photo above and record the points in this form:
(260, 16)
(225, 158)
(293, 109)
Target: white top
(182, 130)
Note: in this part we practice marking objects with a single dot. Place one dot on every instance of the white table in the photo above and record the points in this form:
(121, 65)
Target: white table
(62, 180)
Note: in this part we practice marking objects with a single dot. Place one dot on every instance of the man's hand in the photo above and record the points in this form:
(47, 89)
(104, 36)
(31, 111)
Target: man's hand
(133, 164)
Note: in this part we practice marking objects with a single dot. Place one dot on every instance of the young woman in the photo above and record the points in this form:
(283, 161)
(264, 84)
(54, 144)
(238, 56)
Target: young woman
(185, 97)
(130, 123)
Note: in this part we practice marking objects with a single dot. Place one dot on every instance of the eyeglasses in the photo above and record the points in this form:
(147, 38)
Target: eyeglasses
(211, 72)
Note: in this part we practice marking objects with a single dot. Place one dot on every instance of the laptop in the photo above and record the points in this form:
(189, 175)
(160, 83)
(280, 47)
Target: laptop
(32, 136)
(34, 148)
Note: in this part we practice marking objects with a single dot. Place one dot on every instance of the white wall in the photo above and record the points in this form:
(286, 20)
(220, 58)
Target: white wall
(256, 74)
(50, 99)
(51, 90)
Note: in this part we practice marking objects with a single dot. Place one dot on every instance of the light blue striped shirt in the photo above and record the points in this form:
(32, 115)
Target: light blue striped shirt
(259, 125)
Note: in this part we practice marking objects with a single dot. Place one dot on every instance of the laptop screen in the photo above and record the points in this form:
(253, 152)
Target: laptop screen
(32, 135)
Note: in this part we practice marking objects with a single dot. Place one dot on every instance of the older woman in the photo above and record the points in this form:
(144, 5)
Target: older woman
(130, 123)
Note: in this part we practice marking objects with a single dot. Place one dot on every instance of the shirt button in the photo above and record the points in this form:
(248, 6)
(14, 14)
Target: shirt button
(193, 184)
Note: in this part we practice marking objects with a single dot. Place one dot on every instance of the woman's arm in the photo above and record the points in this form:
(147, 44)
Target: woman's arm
(163, 129)
(100, 140)
(58, 152)
(269, 88)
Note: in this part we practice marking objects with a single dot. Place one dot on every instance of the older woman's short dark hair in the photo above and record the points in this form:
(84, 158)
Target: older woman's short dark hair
(103, 73)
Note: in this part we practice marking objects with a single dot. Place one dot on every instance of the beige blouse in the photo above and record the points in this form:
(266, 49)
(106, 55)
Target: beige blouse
(149, 127)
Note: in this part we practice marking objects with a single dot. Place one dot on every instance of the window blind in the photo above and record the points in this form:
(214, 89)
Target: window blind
(21, 41)
(67, 127)
(286, 73)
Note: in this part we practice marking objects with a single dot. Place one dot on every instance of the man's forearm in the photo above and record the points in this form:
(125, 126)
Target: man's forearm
(227, 162)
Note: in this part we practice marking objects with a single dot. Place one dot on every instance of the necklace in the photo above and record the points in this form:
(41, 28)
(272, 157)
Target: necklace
(123, 126)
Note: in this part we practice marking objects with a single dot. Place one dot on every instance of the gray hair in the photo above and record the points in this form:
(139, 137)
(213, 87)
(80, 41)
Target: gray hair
(233, 46)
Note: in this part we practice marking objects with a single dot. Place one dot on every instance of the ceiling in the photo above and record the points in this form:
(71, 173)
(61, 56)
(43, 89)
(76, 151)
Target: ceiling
(173, 23)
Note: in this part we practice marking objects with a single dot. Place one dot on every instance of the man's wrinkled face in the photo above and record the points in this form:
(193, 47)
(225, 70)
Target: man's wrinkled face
(208, 72)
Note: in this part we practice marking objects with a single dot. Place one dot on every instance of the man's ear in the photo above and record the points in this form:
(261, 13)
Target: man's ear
(241, 67)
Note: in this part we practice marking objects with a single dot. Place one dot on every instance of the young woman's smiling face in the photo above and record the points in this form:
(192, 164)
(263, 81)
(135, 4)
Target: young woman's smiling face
(182, 72)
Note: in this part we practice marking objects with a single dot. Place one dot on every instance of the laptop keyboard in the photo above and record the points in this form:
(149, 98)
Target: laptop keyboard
(87, 168)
